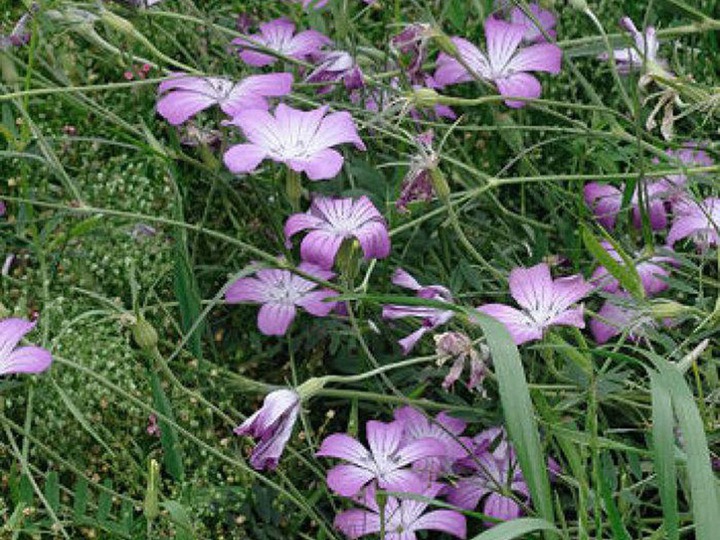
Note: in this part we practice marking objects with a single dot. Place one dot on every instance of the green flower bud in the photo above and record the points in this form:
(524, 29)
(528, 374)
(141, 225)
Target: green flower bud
(425, 97)
(663, 309)
(151, 505)
(444, 43)
(145, 335)
(311, 387)
(442, 189)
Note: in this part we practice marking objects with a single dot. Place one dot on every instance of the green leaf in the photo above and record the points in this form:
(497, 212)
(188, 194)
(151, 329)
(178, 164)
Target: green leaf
(625, 273)
(703, 489)
(517, 528)
(181, 519)
(606, 492)
(664, 454)
(52, 490)
(172, 457)
(519, 413)
(81, 498)
(186, 292)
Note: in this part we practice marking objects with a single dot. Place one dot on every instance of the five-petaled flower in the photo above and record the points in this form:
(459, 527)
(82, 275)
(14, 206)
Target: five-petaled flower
(14, 359)
(545, 302)
(432, 317)
(302, 140)
(505, 64)
(332, 221)
(386, 462)
(281, 292)
(272, 425)
(279, 36)
(185, 95)
(400, 518)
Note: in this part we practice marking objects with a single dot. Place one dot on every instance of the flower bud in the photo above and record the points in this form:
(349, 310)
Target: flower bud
(667, 309)
(580, 5)
(425, 97)
(444, 43)
(144, 334)
(151, 506)
(310, 387)
(118, 23)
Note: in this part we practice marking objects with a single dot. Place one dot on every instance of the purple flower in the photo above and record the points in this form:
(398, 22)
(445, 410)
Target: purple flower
(301, 140)
(505, 65)
(281, 292)
(272, 425)
(459, 346)
(443, 428)
(20, 35)
(494, 472)
(14, 359)
(386, 462)
(643, 52)
(697, 221)
(3, 208)
(619, 315)
(431, 317)
(336, 66)
(545, 302)
(532, 33)
(185, 96)
(652, 275)
(332, 221)
(402, 517)
(606, 201)
(279, 36)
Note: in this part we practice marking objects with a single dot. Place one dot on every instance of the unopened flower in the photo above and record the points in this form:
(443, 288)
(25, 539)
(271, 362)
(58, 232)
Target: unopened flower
(653, 272)
(3, 208)
(431, 317)
(336, 66)
(183, 96)
(461, 348)
(400, 518)
(20, 34)
(697, 221)
(533, 33)
(272, 426)
(302, 140)
(545, 302)
(279, 36)
(332, 221)
(14, 359)
(280, 292)
(443, 428)
(386, 462)
(505, 64)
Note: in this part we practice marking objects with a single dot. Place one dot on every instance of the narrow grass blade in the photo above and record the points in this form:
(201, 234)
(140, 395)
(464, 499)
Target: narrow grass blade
(663, 455)
(517, 528)
(519, 413)
(172, 457)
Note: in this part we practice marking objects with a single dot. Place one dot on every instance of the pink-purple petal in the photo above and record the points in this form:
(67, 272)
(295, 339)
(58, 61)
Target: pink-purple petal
(274, 319)
(244, 158)
(30, 359)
